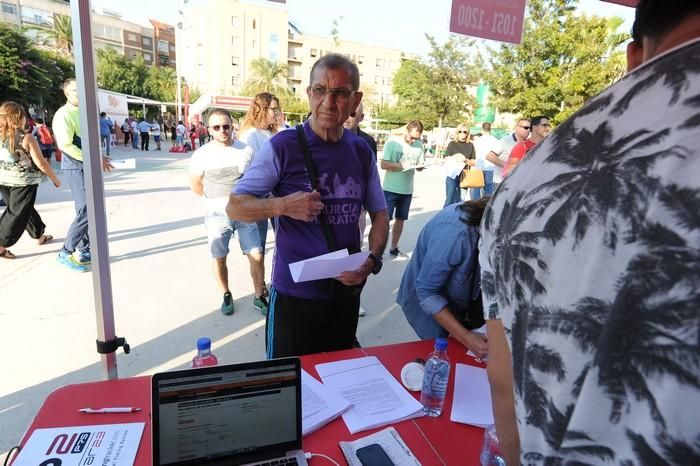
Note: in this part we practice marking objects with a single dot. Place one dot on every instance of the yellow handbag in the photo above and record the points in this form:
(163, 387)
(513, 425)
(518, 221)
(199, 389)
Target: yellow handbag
(472, 178)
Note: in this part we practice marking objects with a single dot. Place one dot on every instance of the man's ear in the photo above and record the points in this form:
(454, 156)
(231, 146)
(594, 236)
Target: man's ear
(635, 55)
(358, 98)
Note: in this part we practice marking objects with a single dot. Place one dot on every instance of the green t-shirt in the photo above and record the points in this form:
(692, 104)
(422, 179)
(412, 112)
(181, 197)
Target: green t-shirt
(398, 150)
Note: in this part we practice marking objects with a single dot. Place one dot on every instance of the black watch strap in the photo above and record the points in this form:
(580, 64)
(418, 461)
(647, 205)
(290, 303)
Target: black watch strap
(377, 263)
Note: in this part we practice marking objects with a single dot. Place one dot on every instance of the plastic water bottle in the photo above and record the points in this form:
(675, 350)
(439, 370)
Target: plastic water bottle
(491, 449)
(204, 355)
(437, 372)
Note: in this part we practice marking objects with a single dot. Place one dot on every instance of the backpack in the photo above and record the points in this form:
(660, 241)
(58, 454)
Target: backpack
(45, 137)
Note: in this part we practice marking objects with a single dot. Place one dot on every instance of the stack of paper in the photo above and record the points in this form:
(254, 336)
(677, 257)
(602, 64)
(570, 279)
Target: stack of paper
(376, 397)
(319, 404)
(472, 397)
(329, 265)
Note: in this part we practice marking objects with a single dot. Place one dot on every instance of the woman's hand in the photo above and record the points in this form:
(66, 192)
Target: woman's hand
(478, 344)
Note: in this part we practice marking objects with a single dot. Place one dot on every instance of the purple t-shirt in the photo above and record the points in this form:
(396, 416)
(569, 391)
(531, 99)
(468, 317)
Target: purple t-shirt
(348, 180)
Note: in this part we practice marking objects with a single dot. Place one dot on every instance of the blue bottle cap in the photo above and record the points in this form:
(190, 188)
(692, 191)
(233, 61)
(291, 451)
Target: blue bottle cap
(204, 343)
(441, 343)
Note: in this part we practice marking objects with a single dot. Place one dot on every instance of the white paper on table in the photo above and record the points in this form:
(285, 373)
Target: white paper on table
(123, 164)
(108, 444)
(328, 265)
(319, 404)
(376, 397)
(472, 397)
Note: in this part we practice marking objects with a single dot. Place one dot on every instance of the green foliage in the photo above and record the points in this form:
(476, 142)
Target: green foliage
(161, 84)
(435, 91)
(117, 73)
(29, 75)
(294, 107)
(266, 76)
(563, 61)
(59, 33)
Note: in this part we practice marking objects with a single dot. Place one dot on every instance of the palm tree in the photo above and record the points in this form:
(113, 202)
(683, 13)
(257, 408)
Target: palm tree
(267, 76)
(598, 188)
(514, 253)
(60, 32)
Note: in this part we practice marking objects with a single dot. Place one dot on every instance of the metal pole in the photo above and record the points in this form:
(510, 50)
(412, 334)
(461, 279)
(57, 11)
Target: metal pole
(94, 184)
(178, 58)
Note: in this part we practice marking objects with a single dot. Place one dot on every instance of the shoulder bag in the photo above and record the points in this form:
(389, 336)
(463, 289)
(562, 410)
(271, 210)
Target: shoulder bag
(472, 178)
(335, 288)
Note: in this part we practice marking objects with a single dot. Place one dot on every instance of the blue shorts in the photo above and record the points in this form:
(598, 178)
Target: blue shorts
(220, 229)
(179, 140)
(399, 203)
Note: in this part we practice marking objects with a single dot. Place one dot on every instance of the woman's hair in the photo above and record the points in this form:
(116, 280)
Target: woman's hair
(474, 210)
(11, 114)
(462, 126)
(257, 113)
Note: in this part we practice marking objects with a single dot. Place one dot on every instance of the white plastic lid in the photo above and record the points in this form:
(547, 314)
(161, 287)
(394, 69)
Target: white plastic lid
(412, 376)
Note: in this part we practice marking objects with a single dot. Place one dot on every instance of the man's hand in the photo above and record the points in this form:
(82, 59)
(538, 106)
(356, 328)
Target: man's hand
(478, 344)
(358, 276)
(106, 164)
(302, 205)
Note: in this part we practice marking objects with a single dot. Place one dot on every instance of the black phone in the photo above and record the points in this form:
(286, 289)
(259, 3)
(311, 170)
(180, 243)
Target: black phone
(373, 455)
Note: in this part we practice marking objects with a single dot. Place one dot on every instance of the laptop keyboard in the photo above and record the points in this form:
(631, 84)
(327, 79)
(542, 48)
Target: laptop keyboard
(291, 461)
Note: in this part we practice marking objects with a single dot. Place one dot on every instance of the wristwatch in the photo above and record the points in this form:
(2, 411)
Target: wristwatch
(377, 263)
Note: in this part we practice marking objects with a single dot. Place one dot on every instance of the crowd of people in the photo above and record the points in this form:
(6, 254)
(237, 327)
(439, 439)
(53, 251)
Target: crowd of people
(578, 251)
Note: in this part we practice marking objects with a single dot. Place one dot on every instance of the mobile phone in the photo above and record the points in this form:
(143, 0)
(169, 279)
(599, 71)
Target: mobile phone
(373, 455)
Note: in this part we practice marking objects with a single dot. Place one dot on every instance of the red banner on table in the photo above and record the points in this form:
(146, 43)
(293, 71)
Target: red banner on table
(632, 3)
(500, 20)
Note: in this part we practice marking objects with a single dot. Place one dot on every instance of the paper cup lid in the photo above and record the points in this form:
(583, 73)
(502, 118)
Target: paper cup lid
(412, 376)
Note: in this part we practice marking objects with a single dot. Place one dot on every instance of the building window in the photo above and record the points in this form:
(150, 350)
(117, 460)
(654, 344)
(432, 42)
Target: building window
(163, 59)
(377, 80)
(146, 41)
(235, 42)
(313, 52)
(360, 60)
(235, 21)
(253, 43)
(147, 57)
(131, 37)
(235, 61)
(254, 24)
(236, 80)
(172, 48)
(379, 62)
(163, 46)
(272, 46)
(109, 32)
(9, 9)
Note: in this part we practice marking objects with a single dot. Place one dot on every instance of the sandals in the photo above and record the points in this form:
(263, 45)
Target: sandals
(7, 254)
(44, 239)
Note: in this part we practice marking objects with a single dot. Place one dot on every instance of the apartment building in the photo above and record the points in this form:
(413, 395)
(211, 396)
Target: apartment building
(156, 45)
(243, 32)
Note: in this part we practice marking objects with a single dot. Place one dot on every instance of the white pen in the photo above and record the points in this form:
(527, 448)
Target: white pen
(109, 410)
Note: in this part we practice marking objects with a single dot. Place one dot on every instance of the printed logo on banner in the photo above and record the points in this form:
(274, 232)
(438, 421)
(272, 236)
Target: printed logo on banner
(500, 20)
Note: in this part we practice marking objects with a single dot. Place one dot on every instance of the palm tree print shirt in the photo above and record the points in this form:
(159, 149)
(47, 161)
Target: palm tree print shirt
(591, 258)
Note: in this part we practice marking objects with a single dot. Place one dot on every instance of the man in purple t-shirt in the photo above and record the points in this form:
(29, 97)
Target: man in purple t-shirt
(305, 317)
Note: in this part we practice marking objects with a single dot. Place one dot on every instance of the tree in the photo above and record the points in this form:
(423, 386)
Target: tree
(30, 75)
(266, 76)
(117, 73)
(436, 90)
(60, 32)
(161, 84)
(562, 61)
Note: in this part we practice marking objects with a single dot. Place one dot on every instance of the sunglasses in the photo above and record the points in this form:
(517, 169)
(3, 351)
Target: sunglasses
(524, 127)
(221, 127)
(465, 132)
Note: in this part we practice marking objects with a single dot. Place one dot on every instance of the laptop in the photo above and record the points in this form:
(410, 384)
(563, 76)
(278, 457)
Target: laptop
(237, 414)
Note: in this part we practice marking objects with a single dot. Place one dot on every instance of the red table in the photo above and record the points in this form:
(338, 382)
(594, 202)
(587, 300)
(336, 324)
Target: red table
(434, 441)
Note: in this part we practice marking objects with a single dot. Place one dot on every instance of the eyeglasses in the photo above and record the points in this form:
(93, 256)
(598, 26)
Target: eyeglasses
(524, 127)
(274, 109)
(339, 93)
(221, 127)
(465, 132)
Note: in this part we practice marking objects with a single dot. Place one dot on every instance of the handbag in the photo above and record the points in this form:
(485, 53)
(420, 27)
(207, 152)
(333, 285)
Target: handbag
(472, 178)
(22, 171)
(335, 288)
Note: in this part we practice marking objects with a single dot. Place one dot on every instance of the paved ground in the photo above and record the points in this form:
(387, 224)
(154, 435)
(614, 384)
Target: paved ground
(164, 293)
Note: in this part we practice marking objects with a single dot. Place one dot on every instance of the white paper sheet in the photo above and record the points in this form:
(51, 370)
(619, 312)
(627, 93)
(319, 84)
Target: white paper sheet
(123, 164)
(377, 398)
(472, 397)
(319, 404)
(108, 445)
(328, 265)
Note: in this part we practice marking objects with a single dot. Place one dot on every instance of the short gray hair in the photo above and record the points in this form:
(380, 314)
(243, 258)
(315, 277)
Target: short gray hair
(335, 61)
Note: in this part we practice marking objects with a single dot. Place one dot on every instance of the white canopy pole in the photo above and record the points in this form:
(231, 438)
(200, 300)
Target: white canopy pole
(94, 184)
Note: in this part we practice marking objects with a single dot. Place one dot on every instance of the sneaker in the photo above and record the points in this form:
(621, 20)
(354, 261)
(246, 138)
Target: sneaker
(84, 258)
(362, 311)
(70, 262)
(227, 305)
(261, 304)
(396, 253)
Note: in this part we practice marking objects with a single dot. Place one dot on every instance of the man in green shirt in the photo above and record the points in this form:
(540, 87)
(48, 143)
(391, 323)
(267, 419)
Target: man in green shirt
(66, 129)
(402, 157)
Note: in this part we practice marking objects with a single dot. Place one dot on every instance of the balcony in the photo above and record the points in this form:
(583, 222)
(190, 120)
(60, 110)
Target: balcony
(294, 58)
(294, 38)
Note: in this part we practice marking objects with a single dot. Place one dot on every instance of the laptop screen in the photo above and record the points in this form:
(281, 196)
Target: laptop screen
(234, 413)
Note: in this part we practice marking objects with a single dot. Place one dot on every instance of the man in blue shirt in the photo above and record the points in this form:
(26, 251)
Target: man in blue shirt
(106, 126)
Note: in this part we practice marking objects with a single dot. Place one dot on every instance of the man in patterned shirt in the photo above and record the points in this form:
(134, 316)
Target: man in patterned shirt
(594, 243)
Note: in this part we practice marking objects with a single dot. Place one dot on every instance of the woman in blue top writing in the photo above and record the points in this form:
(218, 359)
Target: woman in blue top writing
(441, 283)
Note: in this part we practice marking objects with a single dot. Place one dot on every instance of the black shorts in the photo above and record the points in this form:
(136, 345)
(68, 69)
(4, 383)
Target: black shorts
(297, 326)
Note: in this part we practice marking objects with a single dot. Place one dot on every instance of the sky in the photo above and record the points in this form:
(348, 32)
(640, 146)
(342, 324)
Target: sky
(400, 24)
